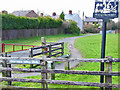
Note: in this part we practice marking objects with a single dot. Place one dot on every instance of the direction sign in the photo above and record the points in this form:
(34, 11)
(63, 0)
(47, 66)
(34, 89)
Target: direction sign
(106, 9)
(13, 61)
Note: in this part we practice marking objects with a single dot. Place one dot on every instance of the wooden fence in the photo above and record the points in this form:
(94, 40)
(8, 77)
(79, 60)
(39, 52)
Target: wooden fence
(44, 81)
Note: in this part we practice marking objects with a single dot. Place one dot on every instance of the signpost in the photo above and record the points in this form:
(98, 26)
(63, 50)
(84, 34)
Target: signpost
(105, 9)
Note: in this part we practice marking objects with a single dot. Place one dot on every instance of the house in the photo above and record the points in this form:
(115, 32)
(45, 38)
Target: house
(54, 15)
(27, 13)
(75, 17)
(44, 15)
(92, 21)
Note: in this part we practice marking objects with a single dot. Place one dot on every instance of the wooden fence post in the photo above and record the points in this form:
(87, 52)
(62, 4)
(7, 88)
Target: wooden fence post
(4, 64)
(31, 55)
(6, 73)
(9, 74)
(43, 40)
(108, 79)
(62, 45)
(53, 67)
(67, 64)
(43, 75)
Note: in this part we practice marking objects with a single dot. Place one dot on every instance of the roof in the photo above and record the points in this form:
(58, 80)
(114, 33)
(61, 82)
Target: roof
(21, 12)
(90, 19)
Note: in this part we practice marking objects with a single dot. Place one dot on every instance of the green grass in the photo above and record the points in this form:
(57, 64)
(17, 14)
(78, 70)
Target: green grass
(33, 41)
(90, 46)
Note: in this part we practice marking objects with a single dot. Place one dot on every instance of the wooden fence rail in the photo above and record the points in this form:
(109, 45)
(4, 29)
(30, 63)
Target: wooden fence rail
(63, 71)
(43, 62)
(62, 82)
(60, 59)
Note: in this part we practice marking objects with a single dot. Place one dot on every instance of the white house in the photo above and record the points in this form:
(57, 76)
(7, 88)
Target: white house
(75, 17)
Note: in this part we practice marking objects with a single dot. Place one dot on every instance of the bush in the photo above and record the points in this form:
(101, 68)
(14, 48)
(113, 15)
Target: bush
(91, 29)
(10, 21)
(72, 28)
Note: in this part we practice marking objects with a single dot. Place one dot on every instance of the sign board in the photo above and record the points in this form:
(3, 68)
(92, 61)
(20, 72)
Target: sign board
(13, 61)
(106, 9)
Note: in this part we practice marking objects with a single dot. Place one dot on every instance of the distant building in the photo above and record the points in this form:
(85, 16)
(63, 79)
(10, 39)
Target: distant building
(27, 13)
(92, 21)
(74, 17)
(54, 15)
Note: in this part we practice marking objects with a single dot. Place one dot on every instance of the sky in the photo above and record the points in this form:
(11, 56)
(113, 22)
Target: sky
(49, 6)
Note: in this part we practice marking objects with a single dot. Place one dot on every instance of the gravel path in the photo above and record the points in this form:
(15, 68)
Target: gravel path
(74, 54)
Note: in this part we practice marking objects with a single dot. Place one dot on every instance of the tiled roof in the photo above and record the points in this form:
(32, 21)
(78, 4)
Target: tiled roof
(21, 12)
(90, 19)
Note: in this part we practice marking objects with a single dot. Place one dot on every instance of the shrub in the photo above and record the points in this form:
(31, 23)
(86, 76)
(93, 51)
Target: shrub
(91, 29)
(72, 28)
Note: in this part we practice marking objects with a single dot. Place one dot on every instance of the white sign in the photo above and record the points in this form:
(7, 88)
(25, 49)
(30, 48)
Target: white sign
(13, 61)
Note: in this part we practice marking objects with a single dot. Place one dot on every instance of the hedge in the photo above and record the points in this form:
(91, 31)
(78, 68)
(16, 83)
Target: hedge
(10, 21)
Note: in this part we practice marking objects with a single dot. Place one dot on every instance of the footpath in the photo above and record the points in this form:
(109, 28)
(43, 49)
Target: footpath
(74, 53)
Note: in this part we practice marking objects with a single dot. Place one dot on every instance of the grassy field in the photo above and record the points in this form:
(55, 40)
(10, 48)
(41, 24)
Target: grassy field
(33, 41)
(90, 48)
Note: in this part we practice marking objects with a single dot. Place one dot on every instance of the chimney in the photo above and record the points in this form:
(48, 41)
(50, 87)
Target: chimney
(54, 14)
(41, 14)
(70, 12)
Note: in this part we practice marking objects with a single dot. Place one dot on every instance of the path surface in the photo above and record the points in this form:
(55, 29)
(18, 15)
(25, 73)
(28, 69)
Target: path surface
(74, 54)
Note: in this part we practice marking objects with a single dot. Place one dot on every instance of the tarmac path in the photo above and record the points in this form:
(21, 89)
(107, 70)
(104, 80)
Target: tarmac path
(74, 53)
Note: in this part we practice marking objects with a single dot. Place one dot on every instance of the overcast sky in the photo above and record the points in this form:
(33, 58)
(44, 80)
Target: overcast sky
(49, 6)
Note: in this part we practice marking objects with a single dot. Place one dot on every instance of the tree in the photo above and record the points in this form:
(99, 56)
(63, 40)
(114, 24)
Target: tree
(62, 15)
(111, 25)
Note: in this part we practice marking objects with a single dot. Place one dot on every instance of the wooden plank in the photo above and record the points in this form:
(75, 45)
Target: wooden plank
(56, 54)
(62, 82)
(7, 87)
(56, 49)
(61, 59)
(62, 71)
